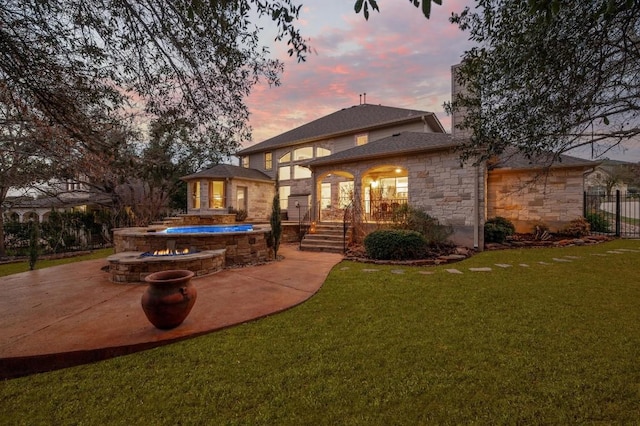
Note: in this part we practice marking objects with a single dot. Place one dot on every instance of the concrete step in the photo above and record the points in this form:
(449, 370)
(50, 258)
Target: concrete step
(326, 238)
(323, 237)
(322, 248)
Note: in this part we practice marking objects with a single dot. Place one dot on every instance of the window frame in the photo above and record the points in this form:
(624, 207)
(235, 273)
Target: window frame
(358, 139)
(268, 160)
(212, 198)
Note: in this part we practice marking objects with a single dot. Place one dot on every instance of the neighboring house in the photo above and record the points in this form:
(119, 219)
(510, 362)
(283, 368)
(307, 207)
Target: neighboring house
(66, 195)
(608, 177)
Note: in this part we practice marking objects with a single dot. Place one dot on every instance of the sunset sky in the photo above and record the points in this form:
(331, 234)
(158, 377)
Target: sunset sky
(397, 57)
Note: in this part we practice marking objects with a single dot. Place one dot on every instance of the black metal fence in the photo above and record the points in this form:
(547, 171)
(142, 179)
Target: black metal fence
(613, 214)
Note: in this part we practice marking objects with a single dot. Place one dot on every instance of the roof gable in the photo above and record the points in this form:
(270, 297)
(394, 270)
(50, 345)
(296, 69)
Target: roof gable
(511, 159)
(223, 171)
(398, 144)
(347, 120)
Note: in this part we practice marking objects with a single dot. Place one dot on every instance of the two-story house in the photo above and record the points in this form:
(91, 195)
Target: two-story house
(373, 158)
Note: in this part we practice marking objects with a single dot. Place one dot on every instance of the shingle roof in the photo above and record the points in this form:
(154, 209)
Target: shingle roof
(512, 159)
(398, 144)
(57, 202)
(221, 171)
(347, 120)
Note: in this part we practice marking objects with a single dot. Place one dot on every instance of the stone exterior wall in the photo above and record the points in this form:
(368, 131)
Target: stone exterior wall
(128, 267)
(438, 185)
(241, 247)
(525, 197)
(451, 192)
(205, 219)
(259, 198)
(459, 115)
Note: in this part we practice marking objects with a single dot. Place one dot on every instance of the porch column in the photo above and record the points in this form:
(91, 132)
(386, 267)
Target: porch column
(314, 215)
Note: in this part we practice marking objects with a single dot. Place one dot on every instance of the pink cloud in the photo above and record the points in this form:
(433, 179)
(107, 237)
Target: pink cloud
(397, 57)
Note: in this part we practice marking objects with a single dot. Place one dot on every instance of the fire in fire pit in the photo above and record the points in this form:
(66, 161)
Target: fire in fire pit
(169, 252)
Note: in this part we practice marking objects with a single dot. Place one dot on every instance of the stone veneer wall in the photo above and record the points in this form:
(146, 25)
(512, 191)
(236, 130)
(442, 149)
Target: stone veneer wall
(127, 269)
(259, 198)
(241, 248)
(438, 185)
(447, 191)
(525, 197)
(205, 219)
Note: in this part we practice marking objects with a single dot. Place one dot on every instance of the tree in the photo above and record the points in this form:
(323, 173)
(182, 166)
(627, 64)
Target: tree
(21, 136)
(364, 6)
(75, 63)
(550, 78)
(276, 223)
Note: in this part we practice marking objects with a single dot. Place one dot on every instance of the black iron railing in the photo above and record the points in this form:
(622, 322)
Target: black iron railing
(616, 213)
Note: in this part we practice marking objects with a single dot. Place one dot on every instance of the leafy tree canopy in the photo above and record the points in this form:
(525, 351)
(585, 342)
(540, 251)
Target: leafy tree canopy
(75, 63)
(549, 76)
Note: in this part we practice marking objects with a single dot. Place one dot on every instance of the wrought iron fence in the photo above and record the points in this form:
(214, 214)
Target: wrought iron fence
(613, 214)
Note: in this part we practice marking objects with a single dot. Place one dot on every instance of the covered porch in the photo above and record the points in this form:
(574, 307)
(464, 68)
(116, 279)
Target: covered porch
(373, 194)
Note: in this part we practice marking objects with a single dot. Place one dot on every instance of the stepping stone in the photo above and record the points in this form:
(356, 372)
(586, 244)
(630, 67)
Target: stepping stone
(426, 272)
(453, 257)
(453, 271)
(480, 269)
(345, 268)
(615, 252)
(397, 271)
(572, 257)
(503, 265)
(544, 263)
(370, 270)
(631, 250)
(599, 254)
(561, 260)
(524, 265)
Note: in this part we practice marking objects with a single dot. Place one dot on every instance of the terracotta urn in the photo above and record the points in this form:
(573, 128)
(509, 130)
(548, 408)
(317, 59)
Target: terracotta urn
(169, 297)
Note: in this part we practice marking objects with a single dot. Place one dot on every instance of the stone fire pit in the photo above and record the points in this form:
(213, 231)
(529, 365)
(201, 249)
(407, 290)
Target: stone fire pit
(129, 267)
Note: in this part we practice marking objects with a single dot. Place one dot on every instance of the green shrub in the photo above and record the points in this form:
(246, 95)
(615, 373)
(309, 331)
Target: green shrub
(497, 229)
(598, 222)
(576, 228)
(395, 244)
(241, 215)
(413, 219)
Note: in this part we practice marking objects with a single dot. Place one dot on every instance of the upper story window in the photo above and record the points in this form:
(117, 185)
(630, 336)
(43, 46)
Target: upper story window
(303, 153)
(284, 173)
(268, 160)
(285, 158)
(245, 161)
(362, 139)
(322, 152)
(300, 172)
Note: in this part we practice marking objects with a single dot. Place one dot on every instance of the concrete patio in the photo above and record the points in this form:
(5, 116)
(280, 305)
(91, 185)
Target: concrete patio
(72, 314)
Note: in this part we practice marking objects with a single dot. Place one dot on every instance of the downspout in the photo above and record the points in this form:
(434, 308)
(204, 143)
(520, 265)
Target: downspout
(476, 208)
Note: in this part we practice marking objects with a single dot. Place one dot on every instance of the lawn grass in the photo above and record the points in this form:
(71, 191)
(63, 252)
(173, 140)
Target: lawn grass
(16, 267)
(554, 343)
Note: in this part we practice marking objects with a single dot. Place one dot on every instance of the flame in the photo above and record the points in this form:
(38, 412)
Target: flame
(167, 252)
